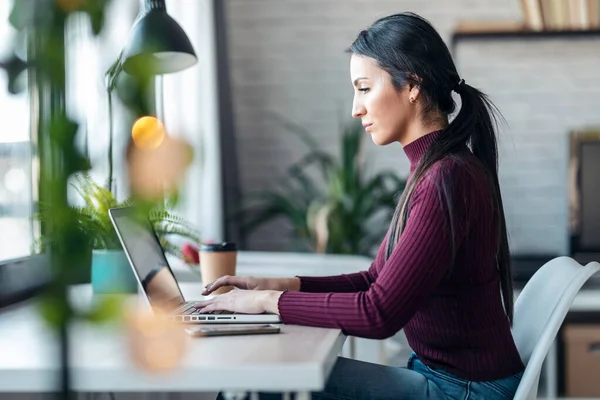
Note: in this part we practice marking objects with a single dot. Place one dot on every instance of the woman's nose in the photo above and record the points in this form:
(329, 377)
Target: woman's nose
(357, 110)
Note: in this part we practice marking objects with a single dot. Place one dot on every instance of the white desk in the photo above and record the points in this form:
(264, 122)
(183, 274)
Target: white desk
(299, 359)
(282, 264)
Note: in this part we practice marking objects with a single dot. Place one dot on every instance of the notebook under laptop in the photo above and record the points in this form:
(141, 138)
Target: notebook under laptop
(152, 270)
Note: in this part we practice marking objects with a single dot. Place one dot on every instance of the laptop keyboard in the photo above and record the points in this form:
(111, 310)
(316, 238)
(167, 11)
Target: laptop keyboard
(191, 310)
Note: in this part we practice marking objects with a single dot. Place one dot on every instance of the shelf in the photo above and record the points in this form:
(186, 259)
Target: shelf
(511, 30)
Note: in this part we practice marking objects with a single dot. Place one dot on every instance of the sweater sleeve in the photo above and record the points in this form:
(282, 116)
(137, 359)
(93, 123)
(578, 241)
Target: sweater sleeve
(356, 282)
(417, 265)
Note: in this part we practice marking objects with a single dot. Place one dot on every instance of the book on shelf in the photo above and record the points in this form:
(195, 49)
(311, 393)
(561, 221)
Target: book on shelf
(469, 27)
(561, 15)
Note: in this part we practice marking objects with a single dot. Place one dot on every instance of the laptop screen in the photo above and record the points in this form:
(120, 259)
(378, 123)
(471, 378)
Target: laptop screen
(145, 253)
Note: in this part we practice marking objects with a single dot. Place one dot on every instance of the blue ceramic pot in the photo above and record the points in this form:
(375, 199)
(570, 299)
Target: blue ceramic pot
(111, 272)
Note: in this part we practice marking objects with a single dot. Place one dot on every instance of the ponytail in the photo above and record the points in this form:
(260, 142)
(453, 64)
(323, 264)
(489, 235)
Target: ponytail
(475, 126)
(480, 117)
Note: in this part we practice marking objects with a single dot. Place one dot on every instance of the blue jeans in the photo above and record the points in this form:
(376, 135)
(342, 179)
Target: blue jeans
(456, 388)
(351, 379)
(358, 380)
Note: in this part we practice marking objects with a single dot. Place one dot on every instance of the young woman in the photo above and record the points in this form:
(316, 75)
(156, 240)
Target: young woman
(442, 273)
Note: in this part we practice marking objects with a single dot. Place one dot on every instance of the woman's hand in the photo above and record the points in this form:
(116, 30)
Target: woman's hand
(253, 283)
(243, 301)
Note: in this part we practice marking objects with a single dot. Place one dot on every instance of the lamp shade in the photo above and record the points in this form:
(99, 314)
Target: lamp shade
(157, 44)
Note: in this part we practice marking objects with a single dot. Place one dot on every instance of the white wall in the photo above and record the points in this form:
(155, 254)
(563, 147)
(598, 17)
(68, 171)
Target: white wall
(288, 57)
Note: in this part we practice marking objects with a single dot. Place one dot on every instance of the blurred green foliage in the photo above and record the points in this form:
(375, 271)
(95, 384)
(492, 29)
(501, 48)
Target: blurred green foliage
(40, 24)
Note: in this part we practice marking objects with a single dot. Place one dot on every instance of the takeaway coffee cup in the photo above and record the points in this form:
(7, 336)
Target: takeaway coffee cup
(217, 260)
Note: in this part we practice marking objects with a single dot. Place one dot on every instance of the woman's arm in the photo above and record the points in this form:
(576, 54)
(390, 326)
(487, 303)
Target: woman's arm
(417, 265)
(346, 283)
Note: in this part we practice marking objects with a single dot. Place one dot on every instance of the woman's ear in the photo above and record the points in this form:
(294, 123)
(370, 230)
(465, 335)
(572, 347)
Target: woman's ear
(413, 94)
(414, 88)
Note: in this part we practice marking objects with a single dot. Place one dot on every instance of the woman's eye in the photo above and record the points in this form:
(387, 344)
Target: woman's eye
(364, 90)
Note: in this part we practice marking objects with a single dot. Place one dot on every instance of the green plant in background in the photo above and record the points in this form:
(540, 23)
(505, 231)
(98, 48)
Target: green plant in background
(331, 204)
(93, 221)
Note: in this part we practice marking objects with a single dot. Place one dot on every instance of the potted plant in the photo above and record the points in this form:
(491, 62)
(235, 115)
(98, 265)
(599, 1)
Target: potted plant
(110, 270)
(331, 203)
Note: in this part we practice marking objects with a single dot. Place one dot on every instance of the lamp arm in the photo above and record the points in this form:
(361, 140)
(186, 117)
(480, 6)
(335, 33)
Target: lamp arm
(112, 75)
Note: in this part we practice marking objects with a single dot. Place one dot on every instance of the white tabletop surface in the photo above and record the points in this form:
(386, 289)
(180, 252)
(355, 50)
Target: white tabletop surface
(297, 359)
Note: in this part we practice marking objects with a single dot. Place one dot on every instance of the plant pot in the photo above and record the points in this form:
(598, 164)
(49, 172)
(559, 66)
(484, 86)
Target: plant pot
(111, 272)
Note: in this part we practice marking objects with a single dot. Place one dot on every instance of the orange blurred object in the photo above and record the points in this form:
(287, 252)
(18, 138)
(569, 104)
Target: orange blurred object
(155, 343)
(69, 5)
(155, 172)
(148, 133)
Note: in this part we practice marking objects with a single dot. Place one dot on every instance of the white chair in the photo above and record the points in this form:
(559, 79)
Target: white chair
(540, 310)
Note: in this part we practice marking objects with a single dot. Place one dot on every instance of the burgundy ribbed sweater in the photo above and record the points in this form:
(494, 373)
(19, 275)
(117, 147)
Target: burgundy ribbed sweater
(452, 313)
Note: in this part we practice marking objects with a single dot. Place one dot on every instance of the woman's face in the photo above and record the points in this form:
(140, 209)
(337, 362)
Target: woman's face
(385, 112)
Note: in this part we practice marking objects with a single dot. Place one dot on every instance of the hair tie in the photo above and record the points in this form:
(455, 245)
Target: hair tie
(459, 85)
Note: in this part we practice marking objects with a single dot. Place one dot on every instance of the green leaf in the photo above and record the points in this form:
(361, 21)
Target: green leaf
(109, 308)
(297, 171)
(53, 310)
(168, 229)
(14, 67)
(134, 91)
(83, 188)
(170, 248)
(96, 12)
(351, 148)
(28, 13)
(62, 131)
(256, 217)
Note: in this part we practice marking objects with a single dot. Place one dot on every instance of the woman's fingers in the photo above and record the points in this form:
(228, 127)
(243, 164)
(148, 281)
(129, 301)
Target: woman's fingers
(208, 306)
(217, 303)
(204, 303)
(222, 281)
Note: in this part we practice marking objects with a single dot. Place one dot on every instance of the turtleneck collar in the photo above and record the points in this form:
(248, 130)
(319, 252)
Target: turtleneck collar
(416, 149)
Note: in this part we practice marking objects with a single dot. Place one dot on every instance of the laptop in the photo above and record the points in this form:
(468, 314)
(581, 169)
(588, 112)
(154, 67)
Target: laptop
(158, 283)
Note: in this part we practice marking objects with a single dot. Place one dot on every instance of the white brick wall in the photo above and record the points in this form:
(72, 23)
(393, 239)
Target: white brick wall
(288, 56)
(545, 88)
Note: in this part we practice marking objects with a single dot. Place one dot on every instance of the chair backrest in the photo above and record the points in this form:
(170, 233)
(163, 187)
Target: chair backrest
(540, 310)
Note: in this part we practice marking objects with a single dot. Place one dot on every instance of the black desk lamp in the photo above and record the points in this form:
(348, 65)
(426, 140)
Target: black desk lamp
(157, 44)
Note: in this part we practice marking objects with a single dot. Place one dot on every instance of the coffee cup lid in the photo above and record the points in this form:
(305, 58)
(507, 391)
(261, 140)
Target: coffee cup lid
(225, 246)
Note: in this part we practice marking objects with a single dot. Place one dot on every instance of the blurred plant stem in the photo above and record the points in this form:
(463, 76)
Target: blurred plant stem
(58, 159)
(43, 24)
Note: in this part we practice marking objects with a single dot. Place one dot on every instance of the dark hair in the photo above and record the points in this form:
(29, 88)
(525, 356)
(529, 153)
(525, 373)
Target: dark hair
(413, 53)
